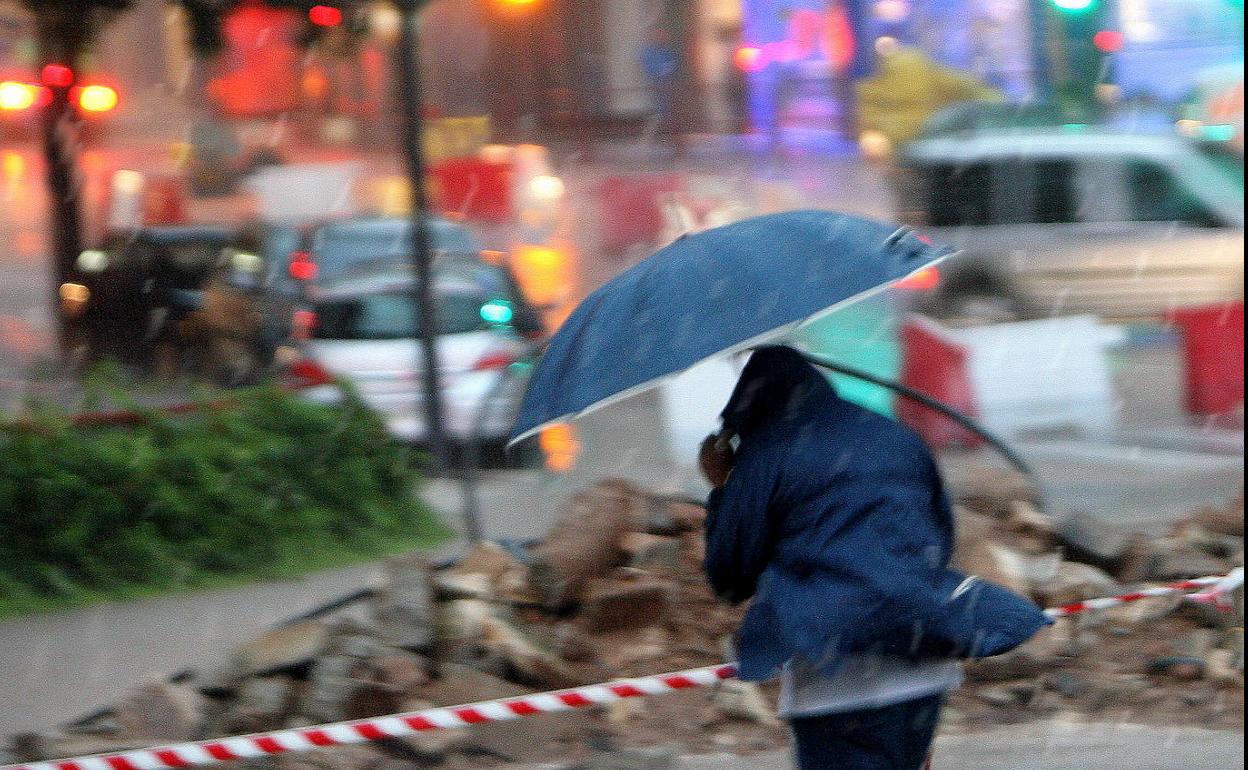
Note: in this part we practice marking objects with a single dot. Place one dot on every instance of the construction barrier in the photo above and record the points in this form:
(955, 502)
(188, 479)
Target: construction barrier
(1213, 354)
(208, 752)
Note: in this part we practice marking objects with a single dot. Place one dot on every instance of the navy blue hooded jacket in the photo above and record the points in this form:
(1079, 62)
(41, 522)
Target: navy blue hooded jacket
(835, 521)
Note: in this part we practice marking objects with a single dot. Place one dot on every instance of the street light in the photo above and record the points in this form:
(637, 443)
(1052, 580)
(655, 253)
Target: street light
(410, 99)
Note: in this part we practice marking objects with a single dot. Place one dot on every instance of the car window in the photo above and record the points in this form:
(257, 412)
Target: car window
(1157, 196)
(1053, 192)
(342, 251)
(959, 194)
(392, 315)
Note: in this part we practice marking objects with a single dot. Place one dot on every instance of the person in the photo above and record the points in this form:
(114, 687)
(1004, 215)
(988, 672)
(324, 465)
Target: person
(833, 519)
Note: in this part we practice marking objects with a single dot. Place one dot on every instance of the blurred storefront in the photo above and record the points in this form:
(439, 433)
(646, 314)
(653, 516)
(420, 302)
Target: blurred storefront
(1167, 44)
(800, 58)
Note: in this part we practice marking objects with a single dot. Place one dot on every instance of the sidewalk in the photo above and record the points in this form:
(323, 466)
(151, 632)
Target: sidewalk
(1050, 746)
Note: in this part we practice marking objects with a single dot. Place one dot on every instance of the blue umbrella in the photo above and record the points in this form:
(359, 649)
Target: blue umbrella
(709, 294)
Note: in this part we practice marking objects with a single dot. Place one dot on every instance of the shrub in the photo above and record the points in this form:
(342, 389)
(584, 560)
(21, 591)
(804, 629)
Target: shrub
(266, 486)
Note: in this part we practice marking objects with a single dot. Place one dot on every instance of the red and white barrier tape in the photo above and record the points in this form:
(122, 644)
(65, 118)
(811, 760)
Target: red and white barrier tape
(393, 726)
(1218, 586)
(400, 725)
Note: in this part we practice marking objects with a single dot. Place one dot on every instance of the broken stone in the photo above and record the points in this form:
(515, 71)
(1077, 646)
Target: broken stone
(1010, 666)
(404, 608)
(1179, 561)
(343, 686)
(1035, 531)
(988, 490)
(736, 699)
(402, 670)
(35, 747)
(655, 758)
(572, 644)
(1212, 543)
(450, 586)
(1065, 683)
(160, 710)
(427, 746)
(1178, 667)
(1223, 521)
(261, 704)
(489, 559)
(610, 604)
(998, 695)
(514, 740)
(583, 543)
(1089, 540)
(282, 649)
(645, 550)
(363, 757)
(1220, 668)
(1075, 582)
(1196, 644)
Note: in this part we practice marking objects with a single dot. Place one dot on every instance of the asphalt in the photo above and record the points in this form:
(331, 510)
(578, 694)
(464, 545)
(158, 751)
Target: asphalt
(1049, 746)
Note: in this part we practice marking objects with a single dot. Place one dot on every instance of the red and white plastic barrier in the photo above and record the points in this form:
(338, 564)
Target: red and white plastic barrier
(208, 752)
(1218, 587)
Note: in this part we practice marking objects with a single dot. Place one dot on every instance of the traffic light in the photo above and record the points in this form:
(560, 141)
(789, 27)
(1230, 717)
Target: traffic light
(1082, 38)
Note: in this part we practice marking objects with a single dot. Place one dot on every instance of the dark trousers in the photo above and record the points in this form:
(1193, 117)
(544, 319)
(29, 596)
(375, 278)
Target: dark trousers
(895, 737)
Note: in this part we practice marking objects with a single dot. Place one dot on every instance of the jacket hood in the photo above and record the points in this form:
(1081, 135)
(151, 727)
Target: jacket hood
(776, 382)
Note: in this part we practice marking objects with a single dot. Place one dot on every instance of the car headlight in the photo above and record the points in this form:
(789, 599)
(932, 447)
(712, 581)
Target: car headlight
(74, 298)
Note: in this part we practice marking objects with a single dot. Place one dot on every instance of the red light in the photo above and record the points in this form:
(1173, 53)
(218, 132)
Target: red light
(306, 373)
(749, 59)
(495, 360)
(924, 280)
(1108, 41)
(57, 76)
(302, 323)
(324, 16)
(302, 268)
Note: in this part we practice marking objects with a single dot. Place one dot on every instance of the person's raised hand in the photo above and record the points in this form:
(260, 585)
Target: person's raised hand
(715, 458)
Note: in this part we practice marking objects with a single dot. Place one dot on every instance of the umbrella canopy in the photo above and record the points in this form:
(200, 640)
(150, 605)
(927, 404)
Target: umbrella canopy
(716, 292)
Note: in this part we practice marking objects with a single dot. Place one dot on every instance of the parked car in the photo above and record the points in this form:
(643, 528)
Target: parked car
(197, 298)
(1076, 220)
(325, 253)
(366, 329)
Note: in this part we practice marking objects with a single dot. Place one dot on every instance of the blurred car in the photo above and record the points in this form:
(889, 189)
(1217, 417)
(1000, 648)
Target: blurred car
(328, 252)
(1076, 220)
(196, 298)
(22, 97)
(365, 329)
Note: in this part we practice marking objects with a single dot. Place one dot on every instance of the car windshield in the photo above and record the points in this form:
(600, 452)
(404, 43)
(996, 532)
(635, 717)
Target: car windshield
(392, 315)
(343, 250)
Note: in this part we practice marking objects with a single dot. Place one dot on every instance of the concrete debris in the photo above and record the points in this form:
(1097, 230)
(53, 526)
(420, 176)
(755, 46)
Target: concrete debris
(743, 700)
(611, 605)
(404, 608)
(655, 758)
(282, 649)
(618, 590)
(159, 710)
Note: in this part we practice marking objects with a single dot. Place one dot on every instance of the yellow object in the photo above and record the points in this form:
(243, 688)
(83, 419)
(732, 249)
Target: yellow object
(97, 98)
(560, 446)
(455, 137)
(908, 90)
(16, 96)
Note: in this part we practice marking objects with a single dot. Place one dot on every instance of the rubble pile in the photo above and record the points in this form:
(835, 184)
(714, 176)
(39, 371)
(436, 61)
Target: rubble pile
(617, 589)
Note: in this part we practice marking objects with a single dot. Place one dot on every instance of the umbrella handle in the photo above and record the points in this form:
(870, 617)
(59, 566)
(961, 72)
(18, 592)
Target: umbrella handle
(931, 403)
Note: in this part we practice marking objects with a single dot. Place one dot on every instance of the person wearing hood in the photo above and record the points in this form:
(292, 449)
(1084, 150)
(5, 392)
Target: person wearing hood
(834, 521)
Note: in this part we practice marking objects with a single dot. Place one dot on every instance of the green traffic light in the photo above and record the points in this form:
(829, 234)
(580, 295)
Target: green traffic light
(1074, 5)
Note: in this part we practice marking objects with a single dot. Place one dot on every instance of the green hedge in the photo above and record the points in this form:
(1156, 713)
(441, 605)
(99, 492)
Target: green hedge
(269, 486)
